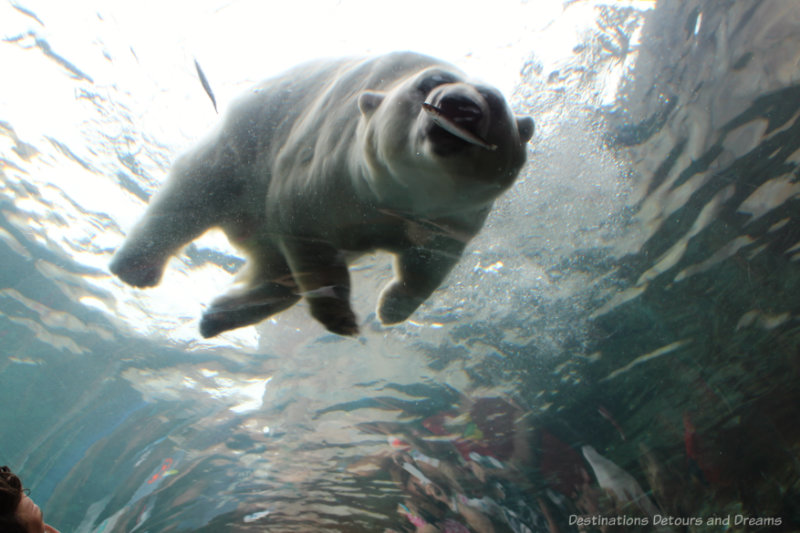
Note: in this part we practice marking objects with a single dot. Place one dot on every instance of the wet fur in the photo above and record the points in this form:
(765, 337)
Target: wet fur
(320, 164)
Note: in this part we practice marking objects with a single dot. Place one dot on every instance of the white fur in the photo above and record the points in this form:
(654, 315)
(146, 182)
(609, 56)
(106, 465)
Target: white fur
(330, 159)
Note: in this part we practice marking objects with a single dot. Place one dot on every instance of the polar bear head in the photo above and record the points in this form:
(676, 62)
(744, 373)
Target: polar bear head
(449, 144)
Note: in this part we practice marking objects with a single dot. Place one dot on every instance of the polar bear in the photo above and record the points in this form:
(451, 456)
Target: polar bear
(330, 160)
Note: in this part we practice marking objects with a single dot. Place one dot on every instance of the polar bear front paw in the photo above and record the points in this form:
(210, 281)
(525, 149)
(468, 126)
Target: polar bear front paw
(335, 314)
(397, 303)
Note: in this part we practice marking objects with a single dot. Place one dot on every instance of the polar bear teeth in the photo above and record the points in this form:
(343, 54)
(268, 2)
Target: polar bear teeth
(451, 127)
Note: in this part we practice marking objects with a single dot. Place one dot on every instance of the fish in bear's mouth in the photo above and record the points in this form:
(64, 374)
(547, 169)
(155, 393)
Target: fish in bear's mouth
(448, 124)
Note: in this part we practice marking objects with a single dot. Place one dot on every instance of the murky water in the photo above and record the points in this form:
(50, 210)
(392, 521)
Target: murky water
(616, 351)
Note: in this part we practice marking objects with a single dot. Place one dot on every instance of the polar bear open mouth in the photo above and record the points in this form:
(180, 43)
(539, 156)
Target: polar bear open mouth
(449, 125)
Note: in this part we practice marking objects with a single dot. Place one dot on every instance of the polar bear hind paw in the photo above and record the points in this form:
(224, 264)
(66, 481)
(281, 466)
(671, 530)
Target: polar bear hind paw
(137, 272)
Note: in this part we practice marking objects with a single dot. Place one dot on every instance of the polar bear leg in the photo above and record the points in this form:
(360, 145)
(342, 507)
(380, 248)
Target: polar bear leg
(245, 307)
(265, 287)
(177, 215)
(418, 272)
(141, 260)
(321, 273)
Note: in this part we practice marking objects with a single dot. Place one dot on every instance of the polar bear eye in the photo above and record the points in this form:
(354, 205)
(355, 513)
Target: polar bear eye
(429, 83)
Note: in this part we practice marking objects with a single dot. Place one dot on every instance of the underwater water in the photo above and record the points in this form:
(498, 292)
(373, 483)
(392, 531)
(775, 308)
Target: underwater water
(618, 349)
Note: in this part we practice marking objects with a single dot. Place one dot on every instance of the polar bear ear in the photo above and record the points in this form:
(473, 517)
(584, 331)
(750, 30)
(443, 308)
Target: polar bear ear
(525, 126)
(368, 102)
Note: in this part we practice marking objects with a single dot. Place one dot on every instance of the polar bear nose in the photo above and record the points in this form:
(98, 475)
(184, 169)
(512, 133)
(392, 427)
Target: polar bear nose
(463, 105)
(463, 113)
(462, 110)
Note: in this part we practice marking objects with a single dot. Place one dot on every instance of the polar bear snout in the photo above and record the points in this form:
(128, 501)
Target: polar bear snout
(464, 110)
(457, 116)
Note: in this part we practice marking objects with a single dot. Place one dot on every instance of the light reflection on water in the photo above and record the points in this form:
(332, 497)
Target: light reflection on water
(624, 321)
